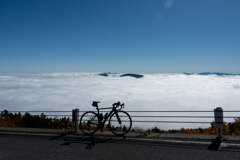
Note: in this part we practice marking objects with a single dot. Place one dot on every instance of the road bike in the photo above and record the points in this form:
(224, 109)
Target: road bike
(119, 123)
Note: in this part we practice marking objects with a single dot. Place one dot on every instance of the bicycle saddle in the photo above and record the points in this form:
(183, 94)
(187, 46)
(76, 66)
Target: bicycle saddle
(95, 103)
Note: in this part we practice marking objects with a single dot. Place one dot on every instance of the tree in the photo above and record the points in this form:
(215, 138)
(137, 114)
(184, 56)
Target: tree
(213, 129)
(157, 130)
(236, 126)
(4, 113)
(43, 116)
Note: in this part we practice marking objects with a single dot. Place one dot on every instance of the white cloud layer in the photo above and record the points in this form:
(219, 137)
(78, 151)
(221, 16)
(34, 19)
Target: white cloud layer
(155, 92)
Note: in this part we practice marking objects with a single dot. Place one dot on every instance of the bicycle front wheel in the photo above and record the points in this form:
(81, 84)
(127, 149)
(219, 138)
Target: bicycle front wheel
(89, 123)
(122, 125)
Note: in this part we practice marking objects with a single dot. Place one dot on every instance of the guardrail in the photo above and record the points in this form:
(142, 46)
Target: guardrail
(74, 114)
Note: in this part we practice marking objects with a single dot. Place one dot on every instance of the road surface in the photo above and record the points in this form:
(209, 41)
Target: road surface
(76, 147)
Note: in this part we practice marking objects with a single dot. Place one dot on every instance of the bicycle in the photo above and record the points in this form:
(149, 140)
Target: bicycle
(120, 121)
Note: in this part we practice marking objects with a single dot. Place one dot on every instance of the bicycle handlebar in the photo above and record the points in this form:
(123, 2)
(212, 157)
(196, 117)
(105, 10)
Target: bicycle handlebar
(118, 104)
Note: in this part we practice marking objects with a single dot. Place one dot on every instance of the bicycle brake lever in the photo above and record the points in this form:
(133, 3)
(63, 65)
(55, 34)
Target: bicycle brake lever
(116, 104)
(122, 106)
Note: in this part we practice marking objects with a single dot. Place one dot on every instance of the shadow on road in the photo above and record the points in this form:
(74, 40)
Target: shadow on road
(214, 146)
(91, 140)
(62, 135)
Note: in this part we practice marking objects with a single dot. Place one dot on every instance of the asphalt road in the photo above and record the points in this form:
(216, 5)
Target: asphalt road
(73, 147)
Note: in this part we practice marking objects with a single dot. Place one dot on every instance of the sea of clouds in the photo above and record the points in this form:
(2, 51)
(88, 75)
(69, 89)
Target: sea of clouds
(153, 92)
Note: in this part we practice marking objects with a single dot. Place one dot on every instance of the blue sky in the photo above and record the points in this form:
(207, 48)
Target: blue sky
(140, 36)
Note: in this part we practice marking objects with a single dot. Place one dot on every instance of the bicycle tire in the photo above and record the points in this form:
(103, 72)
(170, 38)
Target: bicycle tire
(120, 129)
(87, 125)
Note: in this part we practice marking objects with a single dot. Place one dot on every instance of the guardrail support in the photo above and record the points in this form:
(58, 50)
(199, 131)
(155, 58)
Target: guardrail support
(218, 114)
(75, 118)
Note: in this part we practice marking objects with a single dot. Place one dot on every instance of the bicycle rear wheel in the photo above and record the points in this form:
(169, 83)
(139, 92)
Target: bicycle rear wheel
(121, 127)
(89, 123)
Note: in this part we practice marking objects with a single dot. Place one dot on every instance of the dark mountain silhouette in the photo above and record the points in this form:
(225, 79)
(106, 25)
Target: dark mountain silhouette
(103, 74)
(188, 73)
(218, 74)
(106, 74)
(110, 73)
(132, 75)
(123, 75)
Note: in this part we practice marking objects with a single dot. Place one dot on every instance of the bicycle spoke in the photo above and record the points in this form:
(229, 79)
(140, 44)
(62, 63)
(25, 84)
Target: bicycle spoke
(89, 123)
(123, 126)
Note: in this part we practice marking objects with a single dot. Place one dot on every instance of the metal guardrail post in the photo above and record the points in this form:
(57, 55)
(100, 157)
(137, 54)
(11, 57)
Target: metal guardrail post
(75, 118)
(218, 114)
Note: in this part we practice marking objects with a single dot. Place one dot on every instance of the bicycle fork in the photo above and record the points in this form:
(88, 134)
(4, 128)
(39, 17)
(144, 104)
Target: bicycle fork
(119, 121)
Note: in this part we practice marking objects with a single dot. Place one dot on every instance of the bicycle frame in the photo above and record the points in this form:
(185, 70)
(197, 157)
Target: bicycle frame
(114, 110)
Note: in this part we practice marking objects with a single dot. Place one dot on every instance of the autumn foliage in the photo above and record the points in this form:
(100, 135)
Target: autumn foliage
(33, 121)
(228, 129)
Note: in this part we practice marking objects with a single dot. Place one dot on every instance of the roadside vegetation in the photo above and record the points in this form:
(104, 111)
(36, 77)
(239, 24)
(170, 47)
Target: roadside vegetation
(42, 121)
(228, 129)
(34, 121)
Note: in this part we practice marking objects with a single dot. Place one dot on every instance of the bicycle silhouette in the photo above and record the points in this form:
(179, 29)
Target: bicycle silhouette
(120, 122)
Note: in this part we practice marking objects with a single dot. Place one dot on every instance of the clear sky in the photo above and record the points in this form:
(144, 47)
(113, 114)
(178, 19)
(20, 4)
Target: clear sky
(140, 36)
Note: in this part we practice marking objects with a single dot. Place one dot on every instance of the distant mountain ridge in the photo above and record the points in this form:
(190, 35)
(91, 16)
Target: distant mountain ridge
(123, 75)
(132, 75)
(106, 74)
(216, 73)
(103, 74)
(188, 73)
(110, 73)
